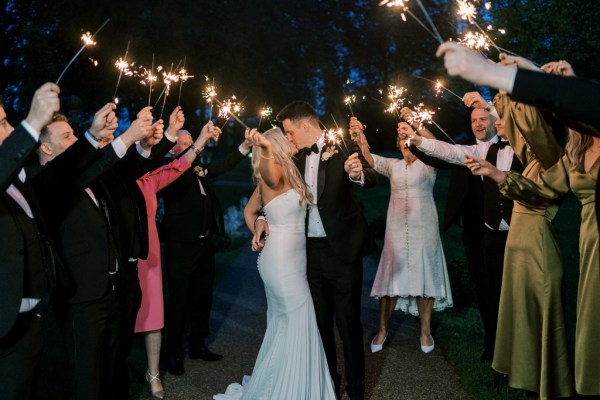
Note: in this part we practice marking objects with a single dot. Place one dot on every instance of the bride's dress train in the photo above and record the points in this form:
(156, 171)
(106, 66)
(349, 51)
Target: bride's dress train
(291, 363)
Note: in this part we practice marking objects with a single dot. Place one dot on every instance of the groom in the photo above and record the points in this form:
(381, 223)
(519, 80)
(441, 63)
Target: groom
(338, 237)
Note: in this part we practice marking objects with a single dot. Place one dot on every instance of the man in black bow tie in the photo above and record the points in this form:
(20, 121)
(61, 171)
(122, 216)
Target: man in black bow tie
(477, 205)
(338, 237)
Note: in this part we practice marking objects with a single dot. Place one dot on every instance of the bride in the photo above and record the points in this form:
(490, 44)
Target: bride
(291, 363)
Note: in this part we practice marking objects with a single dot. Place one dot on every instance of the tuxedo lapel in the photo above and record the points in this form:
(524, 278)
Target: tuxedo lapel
(321, 175)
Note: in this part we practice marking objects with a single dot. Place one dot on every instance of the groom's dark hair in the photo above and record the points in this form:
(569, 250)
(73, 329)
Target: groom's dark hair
(297, 110)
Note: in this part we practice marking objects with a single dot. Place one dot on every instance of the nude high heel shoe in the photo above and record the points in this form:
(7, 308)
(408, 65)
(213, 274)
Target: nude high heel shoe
(159, 394)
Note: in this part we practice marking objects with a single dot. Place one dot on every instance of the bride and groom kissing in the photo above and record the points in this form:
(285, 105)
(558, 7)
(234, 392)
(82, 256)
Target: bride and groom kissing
(310, 260)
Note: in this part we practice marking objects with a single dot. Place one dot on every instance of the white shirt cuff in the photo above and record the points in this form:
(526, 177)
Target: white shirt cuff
(141, 151)
(243, 150)
(90, 138)
(119, 147)
(34, 134)
(361, 181)
(172, 139)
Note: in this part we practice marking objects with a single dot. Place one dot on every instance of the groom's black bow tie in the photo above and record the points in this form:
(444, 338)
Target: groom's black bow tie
(502, 143)
(312, 149)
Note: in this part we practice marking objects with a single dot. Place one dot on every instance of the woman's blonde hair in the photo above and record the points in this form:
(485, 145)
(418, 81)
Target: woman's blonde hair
(577, 144)
(282, 152)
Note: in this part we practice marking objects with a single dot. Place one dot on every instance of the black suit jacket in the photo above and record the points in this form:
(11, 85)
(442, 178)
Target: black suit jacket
(128, 199)
(342, 215)
(14, 153)
(80, 229)
(183, 217)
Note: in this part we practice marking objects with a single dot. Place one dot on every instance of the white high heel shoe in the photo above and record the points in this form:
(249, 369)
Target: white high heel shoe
(159, 394)
(377, 347)
(428, 349)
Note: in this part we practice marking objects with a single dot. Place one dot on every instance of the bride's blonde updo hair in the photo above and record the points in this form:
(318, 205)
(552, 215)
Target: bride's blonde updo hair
(282, 152)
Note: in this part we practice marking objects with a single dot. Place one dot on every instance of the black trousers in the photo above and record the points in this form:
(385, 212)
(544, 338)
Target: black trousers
(336, 289)
(20, 355)
(485, 256)
(191, 276)
(91, 333)
(130, 300)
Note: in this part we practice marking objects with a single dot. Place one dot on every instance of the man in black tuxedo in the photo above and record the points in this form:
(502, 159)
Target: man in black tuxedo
(130, 210)
(83, 222)
(26, 268)
(338, 237)
(192, 215)
(477, 203)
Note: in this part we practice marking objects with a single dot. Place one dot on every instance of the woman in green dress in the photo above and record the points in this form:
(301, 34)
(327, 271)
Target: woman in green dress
(531, 344)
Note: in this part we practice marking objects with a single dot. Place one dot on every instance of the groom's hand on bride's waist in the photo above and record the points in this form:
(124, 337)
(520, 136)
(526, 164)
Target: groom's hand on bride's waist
(261, 231)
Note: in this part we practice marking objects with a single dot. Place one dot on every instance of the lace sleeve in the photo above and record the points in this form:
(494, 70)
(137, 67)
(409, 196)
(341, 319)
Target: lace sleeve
(383, 165)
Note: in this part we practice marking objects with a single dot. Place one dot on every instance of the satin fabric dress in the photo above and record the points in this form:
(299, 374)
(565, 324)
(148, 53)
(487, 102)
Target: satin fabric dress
(151, 315)
(412, 262)
(291, 363)
(531, 342)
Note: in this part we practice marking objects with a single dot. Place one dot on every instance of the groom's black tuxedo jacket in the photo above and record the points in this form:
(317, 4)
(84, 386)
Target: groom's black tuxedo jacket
(342, 215)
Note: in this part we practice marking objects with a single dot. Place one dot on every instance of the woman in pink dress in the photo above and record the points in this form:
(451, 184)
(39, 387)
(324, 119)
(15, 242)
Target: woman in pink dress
(150, 318)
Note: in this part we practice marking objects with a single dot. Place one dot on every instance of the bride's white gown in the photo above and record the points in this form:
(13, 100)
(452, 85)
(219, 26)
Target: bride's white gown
(291, 363)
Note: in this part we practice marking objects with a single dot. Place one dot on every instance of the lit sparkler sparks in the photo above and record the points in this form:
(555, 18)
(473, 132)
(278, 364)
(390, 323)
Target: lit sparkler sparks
(183, 77)
(210, 93)
(439, 87)
(402, 4)
(468, 12)
(475, 41)
(88, 40)
(349, 100)
(122, 65)
(266, 113)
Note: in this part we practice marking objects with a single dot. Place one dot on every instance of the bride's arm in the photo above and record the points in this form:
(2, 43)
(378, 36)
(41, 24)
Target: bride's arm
(270, 172)
(259, 227)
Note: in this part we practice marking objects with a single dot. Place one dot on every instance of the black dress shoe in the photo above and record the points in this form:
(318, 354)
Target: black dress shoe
(175, 366)
(487, 356)
(204, 354)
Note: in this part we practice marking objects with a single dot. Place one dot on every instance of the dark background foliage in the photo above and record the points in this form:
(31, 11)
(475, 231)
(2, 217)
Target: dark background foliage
(274, 51)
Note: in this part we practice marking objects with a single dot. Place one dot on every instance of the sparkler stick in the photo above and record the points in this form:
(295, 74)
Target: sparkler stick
(183, 77)
(340, 133)
(266, 111)
(121, 65)
(468, 12)
(391, 108)
(437, 34)
(209, 94)
(443, 131)
(88, 40)
(348, 101)
(151, 78)
(232, 114)
(405, 9)
(439, 87)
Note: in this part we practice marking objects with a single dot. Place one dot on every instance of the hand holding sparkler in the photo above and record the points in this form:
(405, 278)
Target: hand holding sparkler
(105, 122)
(518, 61)
(475, 100)
(156, 136)
(44, 104)
(353, 167)
(561, 68)
(470, 65)
(209, 132)
(140, 128)
(407, 115)
(356, 128)
(405, 130)
(176, 121)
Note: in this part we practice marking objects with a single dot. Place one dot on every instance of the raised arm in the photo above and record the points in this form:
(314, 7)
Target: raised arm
(270, 172)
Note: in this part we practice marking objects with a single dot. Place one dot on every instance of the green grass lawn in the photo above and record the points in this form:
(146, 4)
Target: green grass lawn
(459, 331)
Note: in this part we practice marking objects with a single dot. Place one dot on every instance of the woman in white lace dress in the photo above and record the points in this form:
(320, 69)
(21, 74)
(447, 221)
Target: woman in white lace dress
(412, 274)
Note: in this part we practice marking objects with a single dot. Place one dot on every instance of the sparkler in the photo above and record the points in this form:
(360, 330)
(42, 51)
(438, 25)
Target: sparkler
(437, 34)
(210, 93)
(149, 77)
(88, 40)
(439, 87)
(348, 101)
(404, 9)
(475, 41)
(468, 12)
(121, 65)
(228, 109)
(264, 112)
(422, 116)
(183, 77)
